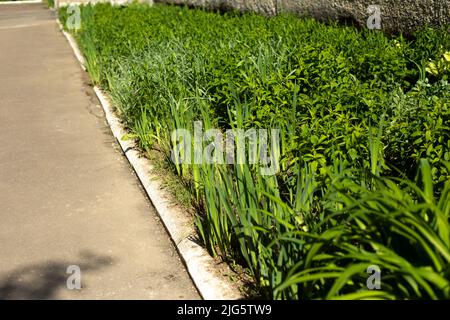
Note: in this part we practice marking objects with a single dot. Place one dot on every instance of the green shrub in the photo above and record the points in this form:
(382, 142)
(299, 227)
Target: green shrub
(397, 225)
(345, 101)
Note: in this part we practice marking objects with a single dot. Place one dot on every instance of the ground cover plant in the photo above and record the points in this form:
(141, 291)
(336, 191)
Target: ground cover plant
(364, 128)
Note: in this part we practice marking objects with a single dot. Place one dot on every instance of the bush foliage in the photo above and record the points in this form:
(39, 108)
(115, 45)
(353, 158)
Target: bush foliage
(360, 113)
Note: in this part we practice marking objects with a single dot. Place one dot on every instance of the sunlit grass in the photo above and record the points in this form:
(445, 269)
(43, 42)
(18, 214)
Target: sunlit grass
(353, 107)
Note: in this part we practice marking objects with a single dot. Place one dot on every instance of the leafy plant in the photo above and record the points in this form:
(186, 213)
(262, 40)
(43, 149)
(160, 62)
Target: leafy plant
(353, 107)
(399, 226)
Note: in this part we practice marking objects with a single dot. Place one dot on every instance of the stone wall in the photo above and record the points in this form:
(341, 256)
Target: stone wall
(396, 15)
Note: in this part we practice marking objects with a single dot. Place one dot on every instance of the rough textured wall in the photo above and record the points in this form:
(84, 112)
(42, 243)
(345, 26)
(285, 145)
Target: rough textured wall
(396, 15)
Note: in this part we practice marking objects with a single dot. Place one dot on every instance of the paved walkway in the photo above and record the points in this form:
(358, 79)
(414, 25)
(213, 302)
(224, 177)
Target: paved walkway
(67, 194)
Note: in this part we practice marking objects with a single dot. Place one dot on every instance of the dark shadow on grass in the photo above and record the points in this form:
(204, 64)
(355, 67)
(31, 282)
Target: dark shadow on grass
(43, 281)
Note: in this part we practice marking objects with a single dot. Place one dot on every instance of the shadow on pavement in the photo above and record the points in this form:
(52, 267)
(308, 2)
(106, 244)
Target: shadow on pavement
(42, 281)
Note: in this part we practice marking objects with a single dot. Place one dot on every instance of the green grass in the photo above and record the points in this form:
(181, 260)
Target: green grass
(359, 113)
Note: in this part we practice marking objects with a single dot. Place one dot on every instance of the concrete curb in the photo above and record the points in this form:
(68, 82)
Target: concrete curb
(200, 265)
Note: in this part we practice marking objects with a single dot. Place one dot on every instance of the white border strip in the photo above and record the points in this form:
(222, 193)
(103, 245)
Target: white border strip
(19, 26)
(21, 2)
(200, 265)
(74, 45)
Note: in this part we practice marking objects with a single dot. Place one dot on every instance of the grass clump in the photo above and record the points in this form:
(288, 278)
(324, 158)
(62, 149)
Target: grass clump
(359, 114)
